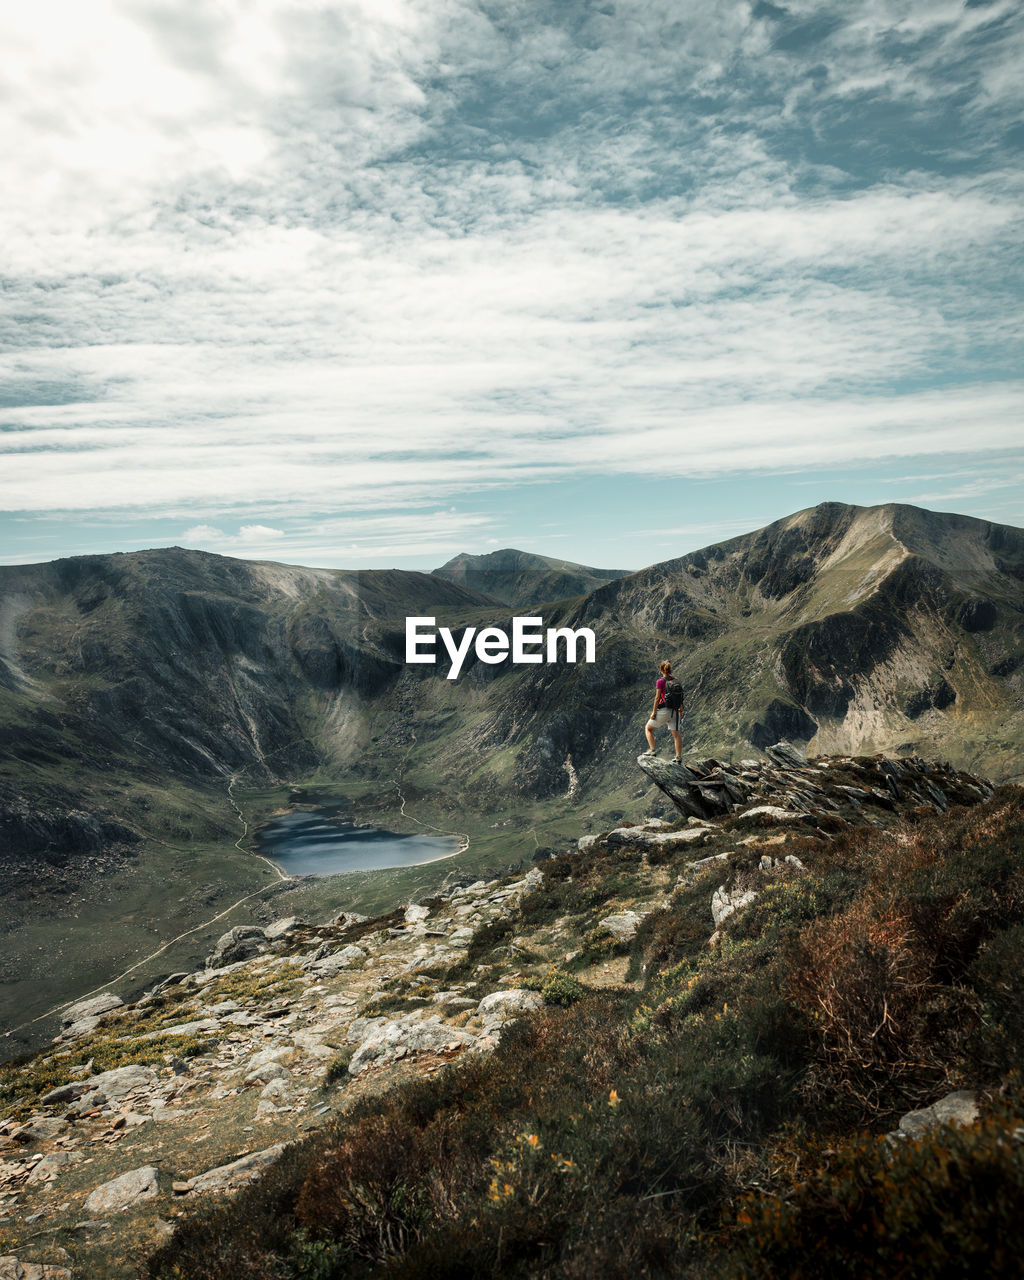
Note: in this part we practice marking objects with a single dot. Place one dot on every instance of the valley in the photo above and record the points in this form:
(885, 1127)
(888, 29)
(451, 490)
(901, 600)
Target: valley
(137, 690)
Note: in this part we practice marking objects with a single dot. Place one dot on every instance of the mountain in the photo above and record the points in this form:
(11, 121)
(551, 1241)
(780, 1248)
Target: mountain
(156, 707)
(851, 629)
(718, 1030)
(524, 580)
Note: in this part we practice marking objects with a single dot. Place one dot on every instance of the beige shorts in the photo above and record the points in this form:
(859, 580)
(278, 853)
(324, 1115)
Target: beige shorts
(664, 718)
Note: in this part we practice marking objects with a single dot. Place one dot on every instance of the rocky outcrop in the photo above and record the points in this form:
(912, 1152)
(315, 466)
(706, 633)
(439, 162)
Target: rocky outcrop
(725, 902)
(788, 787)
(394, 1041)
(237, 1174)
(12, 1269)
(239, 943)
(86, 1015)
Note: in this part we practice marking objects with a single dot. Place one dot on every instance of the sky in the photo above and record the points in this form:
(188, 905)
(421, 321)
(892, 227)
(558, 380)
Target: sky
(374, 282)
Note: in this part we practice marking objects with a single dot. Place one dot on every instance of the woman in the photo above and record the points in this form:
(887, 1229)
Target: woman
(662, 716)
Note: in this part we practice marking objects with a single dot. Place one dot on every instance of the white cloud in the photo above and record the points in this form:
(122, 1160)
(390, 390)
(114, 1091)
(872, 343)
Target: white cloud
(258, 533)
(299, 256)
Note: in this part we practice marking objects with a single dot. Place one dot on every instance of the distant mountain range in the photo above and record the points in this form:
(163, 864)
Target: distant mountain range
(141, 693)
(520, 578)
(845, 628)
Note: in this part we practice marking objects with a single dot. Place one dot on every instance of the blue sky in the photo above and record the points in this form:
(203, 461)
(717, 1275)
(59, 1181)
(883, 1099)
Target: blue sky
(375, 282)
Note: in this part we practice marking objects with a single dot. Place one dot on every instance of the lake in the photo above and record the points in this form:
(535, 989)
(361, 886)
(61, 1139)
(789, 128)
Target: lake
(314, 844)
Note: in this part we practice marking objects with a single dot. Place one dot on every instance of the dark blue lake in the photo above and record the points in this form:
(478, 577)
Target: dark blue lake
(310, 844)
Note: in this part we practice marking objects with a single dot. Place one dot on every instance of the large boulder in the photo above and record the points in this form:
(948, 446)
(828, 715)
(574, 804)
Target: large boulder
(622, 925)
(94, 1007)
(118, 1083)
(786, 755)
(509, 1003)
(725, 902)
(281, 927)
(229, 1177)
(125, 1192)
(396, 1040)
(12, 1269)
(958, 1108)
(330, 965)
(240, 943)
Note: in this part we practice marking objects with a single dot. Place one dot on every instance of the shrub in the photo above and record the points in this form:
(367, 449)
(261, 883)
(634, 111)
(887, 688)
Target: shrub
(562, 989)
(946, 1206)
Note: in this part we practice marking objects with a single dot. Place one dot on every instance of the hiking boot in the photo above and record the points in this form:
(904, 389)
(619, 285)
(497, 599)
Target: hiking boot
(647, 755)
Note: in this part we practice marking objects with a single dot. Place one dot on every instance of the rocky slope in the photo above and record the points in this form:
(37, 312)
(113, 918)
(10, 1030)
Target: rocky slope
(139, 1111)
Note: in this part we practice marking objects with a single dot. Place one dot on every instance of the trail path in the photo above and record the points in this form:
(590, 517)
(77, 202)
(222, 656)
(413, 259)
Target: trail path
(187, 933)
(463, 846)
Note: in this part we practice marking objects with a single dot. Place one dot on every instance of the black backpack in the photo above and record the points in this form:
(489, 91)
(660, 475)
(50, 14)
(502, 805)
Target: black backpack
(673, 694)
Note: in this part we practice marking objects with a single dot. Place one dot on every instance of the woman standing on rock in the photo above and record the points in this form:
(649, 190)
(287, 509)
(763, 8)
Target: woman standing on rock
(665, 714)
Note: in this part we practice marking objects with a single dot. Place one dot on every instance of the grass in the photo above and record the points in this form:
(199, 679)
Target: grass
(724, 1121)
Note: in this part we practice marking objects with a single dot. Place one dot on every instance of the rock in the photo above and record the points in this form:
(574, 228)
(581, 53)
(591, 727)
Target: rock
(786, 755)
(268, 1071)
(586, 842)
(280, 927)
(724, 903)
(94, 1007)
(122, 1193)
(51, 1165)
(361, 1029)
(346, 918)
(240, 943)
(184, 1029)
(655, 839)
(686, 788)
(276, 1091)
(959, 1108)
(508, 1003)
(394, 1040)
(117, 1084)
(39, 1129)
(329, 965)
(83, 1027)
(415, 914)
(773, 812)
(623, 925)
(12, 1269)
(264, 1056)
(173, 980)
(229, 1177)
(63, 1093)
(221, 1010)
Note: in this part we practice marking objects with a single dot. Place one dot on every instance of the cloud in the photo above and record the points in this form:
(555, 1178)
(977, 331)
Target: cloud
(291, 257)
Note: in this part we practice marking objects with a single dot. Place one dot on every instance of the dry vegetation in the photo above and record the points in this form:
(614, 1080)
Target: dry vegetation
(725, 1120)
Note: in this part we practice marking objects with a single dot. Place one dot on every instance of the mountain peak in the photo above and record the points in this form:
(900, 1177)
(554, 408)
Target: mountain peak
(524, 578)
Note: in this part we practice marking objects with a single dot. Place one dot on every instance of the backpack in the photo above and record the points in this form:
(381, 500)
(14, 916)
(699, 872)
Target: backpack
(673, 694)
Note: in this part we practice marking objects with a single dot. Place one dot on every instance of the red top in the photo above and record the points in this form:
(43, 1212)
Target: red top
(660, 686)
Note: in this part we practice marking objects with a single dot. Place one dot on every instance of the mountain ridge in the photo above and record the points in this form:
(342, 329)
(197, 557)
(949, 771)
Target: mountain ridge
(146, 694)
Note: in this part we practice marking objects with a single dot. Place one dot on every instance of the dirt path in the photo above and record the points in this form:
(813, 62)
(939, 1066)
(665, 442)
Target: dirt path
(187, 933)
